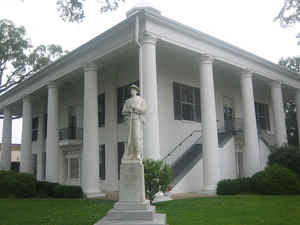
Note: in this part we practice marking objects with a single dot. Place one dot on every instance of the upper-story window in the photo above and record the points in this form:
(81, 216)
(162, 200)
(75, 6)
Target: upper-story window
(35, 128)
(262, 116)
(123, 95)
(101, 110)
(186, 102)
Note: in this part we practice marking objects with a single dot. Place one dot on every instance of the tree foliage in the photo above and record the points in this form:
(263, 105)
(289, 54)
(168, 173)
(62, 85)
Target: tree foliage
(18, 58)
(74, 10)
(291, 63)
(289, 14)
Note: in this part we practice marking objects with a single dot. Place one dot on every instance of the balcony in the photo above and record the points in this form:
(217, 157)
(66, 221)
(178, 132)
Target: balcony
(70, 136)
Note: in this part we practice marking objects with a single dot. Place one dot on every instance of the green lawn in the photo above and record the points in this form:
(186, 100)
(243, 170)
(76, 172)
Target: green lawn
(228, 210)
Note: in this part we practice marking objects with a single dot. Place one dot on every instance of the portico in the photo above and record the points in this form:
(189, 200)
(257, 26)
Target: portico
(192, 83)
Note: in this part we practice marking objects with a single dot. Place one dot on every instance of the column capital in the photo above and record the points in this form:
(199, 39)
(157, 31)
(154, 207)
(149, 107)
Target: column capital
(91, 66)
(205, 59)
(276, 83)
(148, 38)
(246, 73)
(52, 84)
(27, 98)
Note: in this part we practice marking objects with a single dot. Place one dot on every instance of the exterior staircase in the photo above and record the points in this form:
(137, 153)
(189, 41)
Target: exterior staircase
(191, 156)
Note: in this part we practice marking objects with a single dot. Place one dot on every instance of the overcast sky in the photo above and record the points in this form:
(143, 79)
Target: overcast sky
(245, 24)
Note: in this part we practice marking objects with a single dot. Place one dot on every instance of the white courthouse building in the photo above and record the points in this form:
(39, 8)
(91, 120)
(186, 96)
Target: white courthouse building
(214, 109)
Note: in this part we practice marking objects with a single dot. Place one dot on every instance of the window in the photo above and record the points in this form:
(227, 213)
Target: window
(121, 149)
(35, 128)
(102, 162)
(101, 110)
(34, 162)
(74, 168)
(262, 116)
(45, 125)
(186, 103)
(123, 95)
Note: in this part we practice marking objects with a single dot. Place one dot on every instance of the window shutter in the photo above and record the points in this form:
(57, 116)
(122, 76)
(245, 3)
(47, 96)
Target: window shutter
(102, 163)
(176, 102)
(121, 149)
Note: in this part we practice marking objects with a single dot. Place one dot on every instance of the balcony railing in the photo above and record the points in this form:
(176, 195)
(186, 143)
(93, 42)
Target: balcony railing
(71, 133)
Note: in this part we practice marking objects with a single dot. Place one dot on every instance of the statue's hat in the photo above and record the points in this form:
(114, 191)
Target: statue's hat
(133, 86)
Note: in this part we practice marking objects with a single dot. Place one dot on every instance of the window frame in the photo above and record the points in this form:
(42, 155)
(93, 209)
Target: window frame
(179, 101)
(262, 114)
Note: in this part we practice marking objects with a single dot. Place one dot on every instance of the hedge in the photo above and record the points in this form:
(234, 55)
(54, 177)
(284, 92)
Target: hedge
(288, 157)
(17, 185)
(228, 187)
(275, 180)
(63, 191)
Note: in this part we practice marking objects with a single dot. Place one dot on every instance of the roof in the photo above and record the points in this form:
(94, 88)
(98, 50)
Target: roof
(152, 13)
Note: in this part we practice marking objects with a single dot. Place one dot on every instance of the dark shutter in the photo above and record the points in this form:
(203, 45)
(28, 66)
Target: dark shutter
(45, 125)
(177, 105)
(102, 162)
(121, 149)
(101, 110)
(35, 128)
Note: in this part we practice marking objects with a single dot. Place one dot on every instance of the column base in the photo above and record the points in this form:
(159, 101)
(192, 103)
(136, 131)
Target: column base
(94, 194)
(209, 189)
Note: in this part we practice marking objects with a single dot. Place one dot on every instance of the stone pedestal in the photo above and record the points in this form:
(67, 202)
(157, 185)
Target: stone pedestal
(133, 208)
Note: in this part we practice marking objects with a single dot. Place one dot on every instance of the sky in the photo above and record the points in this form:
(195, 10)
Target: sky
(245, 24)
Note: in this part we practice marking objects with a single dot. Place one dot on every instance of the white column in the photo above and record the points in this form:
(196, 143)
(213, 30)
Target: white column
(52, 141)
(298, 113)
(90, 151)
(251, 161)
(279, 116)
(26, 146)
(149, 92)
(211, 166)
(6, 140)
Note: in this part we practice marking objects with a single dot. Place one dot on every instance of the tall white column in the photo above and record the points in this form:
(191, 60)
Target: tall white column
(251, 160)
(149, 84)
(211, 165)
(6, 139)
(298, 112)
(90, 151)
(279, 116)
(52, 141)
(26, 146)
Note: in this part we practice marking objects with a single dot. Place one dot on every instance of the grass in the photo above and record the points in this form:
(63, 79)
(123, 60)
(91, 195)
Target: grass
(225, 210)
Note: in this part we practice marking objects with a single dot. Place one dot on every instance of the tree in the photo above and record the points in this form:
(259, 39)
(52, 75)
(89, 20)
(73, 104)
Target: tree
(73, 10)
(291, 63)
(289, 14)
(19, 60)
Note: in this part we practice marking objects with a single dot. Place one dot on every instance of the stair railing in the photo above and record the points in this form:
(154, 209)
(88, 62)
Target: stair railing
(180, 144)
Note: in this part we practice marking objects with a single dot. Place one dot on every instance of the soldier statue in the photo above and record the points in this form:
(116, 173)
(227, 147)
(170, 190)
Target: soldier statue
(134, 114)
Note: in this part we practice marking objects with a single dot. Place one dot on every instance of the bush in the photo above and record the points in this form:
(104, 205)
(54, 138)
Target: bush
(276, 180)
(228, 187)
(288, 157)
(17, 185)
(245, 184)
(45, 189)
(157, 177)
(63, 191)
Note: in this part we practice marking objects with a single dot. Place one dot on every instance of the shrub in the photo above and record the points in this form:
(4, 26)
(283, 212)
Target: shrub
(17, 185)
(276, 180)
(45, 189)
(63, 191)
(157, 177)
(245, 184)
(228, 187)
(288, 157)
